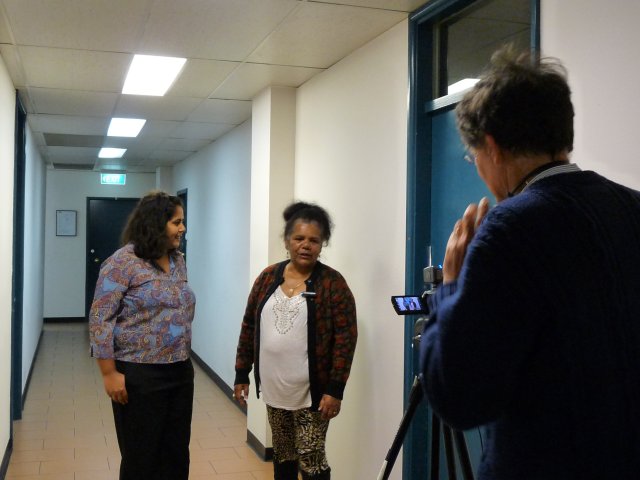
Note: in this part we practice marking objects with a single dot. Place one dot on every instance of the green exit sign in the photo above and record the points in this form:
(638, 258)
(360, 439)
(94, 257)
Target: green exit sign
(113, 178)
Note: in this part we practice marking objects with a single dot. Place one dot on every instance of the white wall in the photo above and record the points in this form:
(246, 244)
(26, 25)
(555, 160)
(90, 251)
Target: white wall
(218, 182)
(33, 291)
(65, 257)
(351, 158)
(7, 142)
(598, 43)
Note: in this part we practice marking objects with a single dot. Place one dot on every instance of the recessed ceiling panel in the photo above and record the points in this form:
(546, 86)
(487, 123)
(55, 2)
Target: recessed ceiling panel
(73, 154)
(64, 140)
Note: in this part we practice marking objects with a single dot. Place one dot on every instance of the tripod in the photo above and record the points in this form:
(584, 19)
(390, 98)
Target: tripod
(450, 436)
(432, 276)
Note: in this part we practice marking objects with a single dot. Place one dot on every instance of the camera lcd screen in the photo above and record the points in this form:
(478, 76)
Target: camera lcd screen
(408, 304)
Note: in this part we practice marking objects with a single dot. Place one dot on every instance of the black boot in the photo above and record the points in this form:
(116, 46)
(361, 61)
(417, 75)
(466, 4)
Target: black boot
(286, 470)
(323, 475)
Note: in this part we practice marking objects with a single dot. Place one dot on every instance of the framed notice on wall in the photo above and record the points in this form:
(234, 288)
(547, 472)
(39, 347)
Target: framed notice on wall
(66, 223)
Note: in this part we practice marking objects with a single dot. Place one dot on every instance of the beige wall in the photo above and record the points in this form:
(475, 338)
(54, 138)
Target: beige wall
(598, 43)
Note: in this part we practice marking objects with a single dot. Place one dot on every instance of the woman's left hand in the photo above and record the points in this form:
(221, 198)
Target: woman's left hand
(329, 407)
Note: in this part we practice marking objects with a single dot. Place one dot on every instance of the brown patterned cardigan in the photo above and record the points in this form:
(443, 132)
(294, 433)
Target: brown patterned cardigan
(331, 323)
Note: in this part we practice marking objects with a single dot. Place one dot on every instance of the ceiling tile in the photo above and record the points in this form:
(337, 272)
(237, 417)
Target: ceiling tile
(211, 29)
(250, 78)
(155, 108)
(68, 102)
(224, 111)
(199, 130)
(398, 5)
(119, 142)
(169, 155)
(79, 24)
(201, 77)
(5, 30)
(12, 61)
(83, 69)
(158, 128)
(184, 144)
(320, 34)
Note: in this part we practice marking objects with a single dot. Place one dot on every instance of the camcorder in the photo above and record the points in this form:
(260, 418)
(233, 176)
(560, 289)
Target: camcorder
(417, 304)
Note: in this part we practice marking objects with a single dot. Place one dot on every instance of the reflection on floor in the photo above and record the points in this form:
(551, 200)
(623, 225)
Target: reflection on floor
(67, 432)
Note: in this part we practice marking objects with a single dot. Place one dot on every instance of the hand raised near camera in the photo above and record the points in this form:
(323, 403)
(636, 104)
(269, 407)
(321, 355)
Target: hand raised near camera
(460, 237)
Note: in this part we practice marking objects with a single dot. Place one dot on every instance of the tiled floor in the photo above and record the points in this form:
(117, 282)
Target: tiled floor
(67, 433)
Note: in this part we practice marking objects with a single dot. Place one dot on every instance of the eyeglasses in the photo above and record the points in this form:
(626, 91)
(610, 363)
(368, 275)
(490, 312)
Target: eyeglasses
(470, 157)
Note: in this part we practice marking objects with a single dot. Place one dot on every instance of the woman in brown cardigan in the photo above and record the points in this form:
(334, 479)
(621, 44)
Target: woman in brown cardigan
(299, 332)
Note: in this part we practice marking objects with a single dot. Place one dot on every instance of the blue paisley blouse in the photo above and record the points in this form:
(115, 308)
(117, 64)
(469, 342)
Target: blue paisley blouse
(139, 313)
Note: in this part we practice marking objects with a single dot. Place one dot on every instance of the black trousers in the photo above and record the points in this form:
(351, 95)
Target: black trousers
(154, 428)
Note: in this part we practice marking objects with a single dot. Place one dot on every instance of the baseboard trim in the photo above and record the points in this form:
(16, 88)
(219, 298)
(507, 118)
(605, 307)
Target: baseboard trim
(5, 459)
(65, 320)
(217, 380)
(263, 452)
(33, 362)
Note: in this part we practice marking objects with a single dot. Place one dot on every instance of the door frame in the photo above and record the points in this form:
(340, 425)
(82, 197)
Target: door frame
(17, 283)
(184, 196)
(421, 106)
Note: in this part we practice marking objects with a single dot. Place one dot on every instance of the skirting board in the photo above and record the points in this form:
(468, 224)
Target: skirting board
(265, 453)
(65, 320)
(5, 459)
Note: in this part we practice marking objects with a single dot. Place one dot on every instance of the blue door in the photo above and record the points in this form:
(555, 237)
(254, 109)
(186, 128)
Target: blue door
(449, 40)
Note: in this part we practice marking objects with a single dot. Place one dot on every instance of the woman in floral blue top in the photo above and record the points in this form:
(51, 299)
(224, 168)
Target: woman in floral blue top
(140, 333)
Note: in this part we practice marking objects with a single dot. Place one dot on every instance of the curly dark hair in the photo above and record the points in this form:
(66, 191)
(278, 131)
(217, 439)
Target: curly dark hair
(523, 102)
(307, 212)
(146, 226)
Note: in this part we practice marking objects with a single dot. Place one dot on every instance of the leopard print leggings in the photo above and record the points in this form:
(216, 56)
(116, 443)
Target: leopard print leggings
(299, 435)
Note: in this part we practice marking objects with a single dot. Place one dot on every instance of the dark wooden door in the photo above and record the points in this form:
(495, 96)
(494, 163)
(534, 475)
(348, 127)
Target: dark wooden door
(106, 218)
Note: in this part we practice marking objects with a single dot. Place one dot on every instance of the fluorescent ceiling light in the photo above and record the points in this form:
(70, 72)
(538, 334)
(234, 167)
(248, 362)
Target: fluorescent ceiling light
(111, 152)
(462, 85)
(125, 127)
(151, 75)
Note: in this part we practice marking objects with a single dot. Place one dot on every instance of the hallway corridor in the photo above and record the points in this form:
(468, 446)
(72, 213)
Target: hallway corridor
(67, 431)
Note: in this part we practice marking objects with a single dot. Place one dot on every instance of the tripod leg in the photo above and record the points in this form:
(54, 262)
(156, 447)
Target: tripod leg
(463, 455)
(435, 447)
(415, 397)
(448, 450)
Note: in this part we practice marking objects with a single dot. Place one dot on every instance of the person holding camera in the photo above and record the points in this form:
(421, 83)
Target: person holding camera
(535, 332)
(299, 331)
(140, 334)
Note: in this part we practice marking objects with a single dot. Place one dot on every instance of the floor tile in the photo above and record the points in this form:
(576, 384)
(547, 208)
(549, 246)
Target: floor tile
(67, 430)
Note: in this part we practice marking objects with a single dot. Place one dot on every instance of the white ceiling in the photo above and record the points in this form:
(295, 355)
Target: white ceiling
(69, 58)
